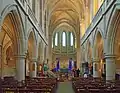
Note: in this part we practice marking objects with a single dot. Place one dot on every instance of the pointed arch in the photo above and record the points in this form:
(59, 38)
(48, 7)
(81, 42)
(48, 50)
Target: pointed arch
(98, 46)
(32, 44)
(13, 12)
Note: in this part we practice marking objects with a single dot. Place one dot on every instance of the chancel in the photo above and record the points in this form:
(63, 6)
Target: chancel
(59, 46)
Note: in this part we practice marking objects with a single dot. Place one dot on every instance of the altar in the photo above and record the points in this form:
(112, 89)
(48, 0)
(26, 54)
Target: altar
(64, 70)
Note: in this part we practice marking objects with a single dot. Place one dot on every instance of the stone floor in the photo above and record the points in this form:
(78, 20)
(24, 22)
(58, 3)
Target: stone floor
(65, 87)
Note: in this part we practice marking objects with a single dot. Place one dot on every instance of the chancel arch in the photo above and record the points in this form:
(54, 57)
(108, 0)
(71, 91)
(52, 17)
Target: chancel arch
(64, 50)
(64, 19)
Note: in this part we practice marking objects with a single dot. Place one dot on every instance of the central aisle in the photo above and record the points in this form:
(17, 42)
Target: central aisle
(65, 87)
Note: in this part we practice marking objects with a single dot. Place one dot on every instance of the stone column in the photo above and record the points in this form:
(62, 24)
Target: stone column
(91, 9)
(87, 17)
(96, 72)
(78, 51)
(78, 57)
(1, 67)
(38, 65)
(20, 67)
(89, 65)
(110, 67)
(1, 63)
(42, 54)
(33, 72)
(50, 51)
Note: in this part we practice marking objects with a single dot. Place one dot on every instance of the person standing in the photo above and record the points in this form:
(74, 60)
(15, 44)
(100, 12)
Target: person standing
(78, 71)
(45, 67)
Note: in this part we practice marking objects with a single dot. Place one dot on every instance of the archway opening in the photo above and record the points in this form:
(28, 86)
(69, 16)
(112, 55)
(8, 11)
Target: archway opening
(40, 60)
(89, 57)
(63, 47)
(30, 66)
(9, 45)
(99, 55)
(117, 49)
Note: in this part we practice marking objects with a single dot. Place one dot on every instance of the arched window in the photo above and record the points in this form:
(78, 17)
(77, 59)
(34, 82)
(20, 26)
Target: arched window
(63, 39)
(56, 39)
(71, 39)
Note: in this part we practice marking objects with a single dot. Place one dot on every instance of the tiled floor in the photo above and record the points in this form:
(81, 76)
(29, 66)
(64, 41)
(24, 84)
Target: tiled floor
(65, 87)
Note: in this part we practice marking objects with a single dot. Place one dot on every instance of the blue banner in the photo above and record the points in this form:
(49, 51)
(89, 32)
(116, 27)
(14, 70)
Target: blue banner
(70, 65)
(58, 65)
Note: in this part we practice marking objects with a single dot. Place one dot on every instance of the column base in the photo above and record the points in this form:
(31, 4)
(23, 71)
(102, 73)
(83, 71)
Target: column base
(110, 78)
(20, 67)
(33, 74)
(96, 74)
(110, 67)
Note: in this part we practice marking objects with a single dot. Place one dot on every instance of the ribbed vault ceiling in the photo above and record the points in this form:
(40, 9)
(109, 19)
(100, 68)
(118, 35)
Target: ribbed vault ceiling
(65, 12)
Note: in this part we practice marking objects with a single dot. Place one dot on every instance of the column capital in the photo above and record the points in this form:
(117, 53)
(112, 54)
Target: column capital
(20, 56)
(95, 60)
(50, 34)
(110, 56)
(34, 60)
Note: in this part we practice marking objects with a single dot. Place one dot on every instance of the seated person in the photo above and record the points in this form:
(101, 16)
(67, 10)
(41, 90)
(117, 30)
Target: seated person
(85, 75)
